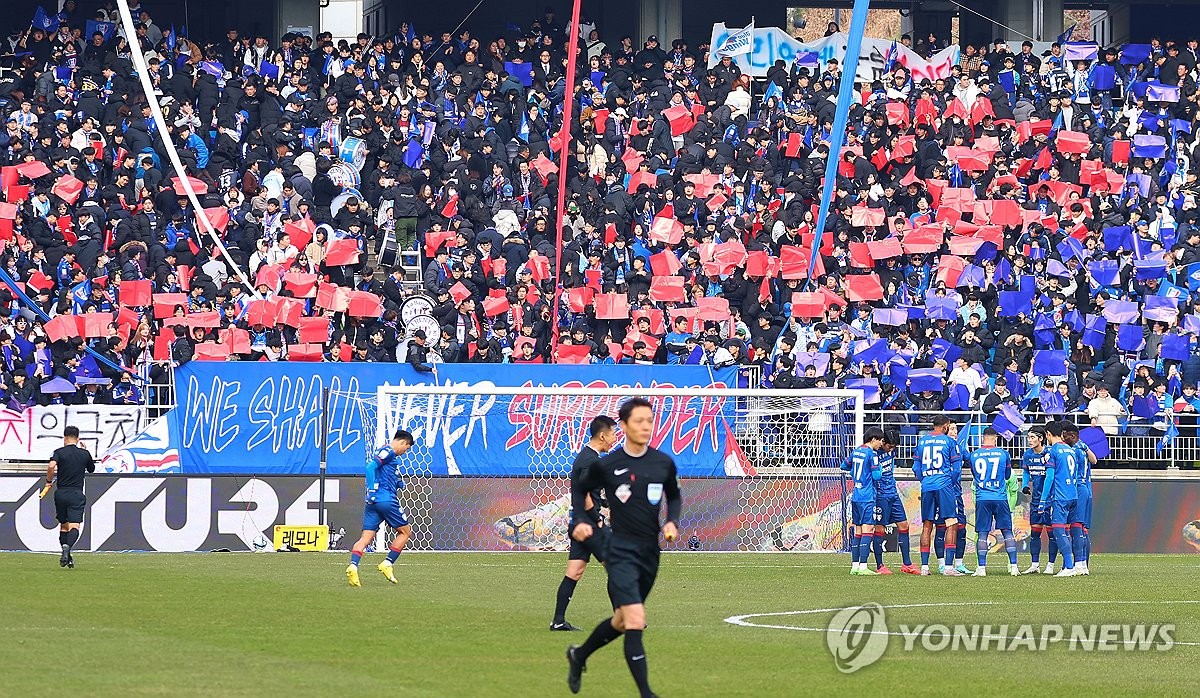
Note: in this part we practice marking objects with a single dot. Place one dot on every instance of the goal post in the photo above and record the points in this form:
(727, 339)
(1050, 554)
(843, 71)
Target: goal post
(490, 464)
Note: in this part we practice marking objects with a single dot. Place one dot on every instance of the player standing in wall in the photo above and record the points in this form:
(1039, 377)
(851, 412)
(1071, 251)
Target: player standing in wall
(602, 434)
(890, 508)
(863, 465)
(382, 504)
(1083, 512)
(1060, 494)
(991, 469)
(636, 479)
(1034, 463)
(937, 461)
(69, 465)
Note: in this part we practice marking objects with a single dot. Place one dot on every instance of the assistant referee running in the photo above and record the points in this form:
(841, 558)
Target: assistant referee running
(70, 464)
(636, 479)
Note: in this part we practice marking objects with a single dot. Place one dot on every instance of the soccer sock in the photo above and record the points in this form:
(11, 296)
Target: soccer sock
(62, 537)
(1035, 543)
(949, 553)
(1087, 545)
(1010, 545)
(565, 589)
(855, 544)
(939, 541)
(877, 548)
(905, 552)
(355, 556)
(864, 548)
(1077, 541)
(1064, 546)
(925, 556)
(601, 636)
(961, 548)
(635, 657)
(1052, 548)
(72, 538)
(981, 551)
(393, 554)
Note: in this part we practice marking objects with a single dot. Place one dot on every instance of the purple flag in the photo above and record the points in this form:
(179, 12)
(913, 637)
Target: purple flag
(1131, 338)
(1161, 308)
(1118, 312)
(1176, 347)
(889, 316)
(925, 379)
(1096, 440)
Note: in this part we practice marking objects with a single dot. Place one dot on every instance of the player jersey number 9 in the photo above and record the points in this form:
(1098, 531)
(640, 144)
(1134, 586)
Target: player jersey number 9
(932, 457)
(1072, 466)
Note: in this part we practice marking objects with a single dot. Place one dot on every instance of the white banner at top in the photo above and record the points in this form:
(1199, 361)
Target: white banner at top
(772, 44)
(737, 43)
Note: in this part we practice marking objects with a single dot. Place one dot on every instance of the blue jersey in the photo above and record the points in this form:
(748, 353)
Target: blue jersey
(383, 476)
(991, 469)
(938, 462)
(1085, 468)
(1034, 476)
(1062, 474)
(864, 470)
(885, 486)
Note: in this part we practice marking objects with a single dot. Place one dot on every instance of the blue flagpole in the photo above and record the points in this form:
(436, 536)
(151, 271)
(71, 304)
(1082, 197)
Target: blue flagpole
(858, 26)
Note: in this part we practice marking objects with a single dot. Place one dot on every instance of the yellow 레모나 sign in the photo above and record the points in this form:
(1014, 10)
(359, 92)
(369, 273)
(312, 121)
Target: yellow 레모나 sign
(306, 538)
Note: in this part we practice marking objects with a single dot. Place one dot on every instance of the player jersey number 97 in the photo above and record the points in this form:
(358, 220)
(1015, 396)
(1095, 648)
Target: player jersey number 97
(987, 468)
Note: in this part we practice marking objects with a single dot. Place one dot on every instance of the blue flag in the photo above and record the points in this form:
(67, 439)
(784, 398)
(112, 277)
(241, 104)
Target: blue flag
(1008, 421)
(43, 21)
(1066, 35)
(269, 71)
(414, 153)
(213, 68)
(79, 295)
(773, 90)
(523, 72)
(107, 30)
(889, 60)
(171, 38)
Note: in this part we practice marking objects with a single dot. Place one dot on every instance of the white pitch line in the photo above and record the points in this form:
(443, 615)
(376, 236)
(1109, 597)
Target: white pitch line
(743, 622)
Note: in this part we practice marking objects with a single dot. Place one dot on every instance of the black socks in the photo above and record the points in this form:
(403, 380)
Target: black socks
(601, 636)
(635, 657)
(565, 590)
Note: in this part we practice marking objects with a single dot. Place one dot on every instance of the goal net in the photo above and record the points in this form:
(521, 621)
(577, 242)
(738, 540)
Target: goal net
(490, 466)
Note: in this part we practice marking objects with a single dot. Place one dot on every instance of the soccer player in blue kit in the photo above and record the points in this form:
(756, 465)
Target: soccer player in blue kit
(938, 460)
(864, 469)
(991, 469)
(382, 504)
(1060, 494)
(889, 507)
(1033, 463)
(1083, 512)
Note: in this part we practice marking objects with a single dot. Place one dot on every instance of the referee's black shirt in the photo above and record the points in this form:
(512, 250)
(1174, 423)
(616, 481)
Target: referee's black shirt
(73, 464)
(636, 488)
(585, 461)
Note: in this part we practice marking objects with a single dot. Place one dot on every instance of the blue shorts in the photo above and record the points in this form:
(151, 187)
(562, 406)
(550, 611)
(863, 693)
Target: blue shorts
(937, 505)
(1063, 511)
(890, 509)
(375, 513)
(1083, 511)
(1036, 519)
(990, 511)
(864, 514)
(960, 512)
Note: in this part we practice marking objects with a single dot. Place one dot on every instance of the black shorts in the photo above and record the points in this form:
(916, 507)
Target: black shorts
(595, 546)
(69, 505)
(632, 568)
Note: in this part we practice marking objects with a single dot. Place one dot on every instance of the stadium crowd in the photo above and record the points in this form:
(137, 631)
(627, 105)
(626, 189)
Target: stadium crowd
(1021, 231)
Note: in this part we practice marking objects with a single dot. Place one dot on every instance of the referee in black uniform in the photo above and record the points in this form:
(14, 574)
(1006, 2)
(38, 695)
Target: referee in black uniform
(602, 434)
(70, 464)
(636, 479)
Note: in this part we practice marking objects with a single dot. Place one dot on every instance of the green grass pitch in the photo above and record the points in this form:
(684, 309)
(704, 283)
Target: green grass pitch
(476, 625)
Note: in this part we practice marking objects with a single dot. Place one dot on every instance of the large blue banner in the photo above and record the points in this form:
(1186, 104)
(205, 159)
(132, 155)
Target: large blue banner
(265, 418)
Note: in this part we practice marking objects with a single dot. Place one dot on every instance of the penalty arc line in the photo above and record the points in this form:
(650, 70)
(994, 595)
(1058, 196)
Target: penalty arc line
(742, 620)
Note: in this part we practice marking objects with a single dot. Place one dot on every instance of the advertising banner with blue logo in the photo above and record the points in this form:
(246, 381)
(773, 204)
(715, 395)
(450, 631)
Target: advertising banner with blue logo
(265, 418)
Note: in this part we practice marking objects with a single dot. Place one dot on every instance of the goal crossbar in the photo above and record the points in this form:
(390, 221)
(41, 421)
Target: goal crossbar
(834, 393)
